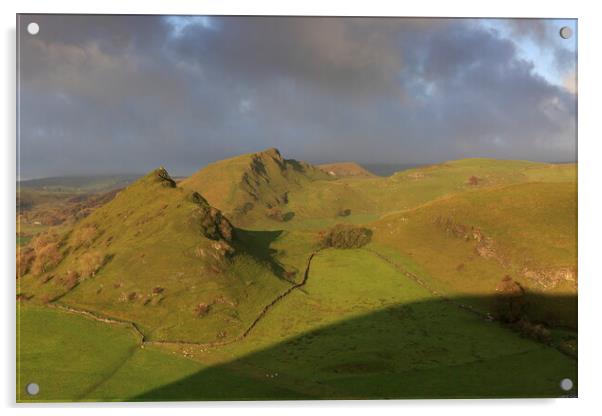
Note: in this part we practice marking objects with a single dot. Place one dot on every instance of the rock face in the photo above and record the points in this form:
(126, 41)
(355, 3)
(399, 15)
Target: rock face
(164, 177)
(268, 178)
(550, 279)
(460, 230)
(214, 225)
(485, 246)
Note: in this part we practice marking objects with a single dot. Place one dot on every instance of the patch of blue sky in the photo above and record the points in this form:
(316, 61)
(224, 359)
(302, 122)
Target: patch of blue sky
(179, 24)
(542, 52)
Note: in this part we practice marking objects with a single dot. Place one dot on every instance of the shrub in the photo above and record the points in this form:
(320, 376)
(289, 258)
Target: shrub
(44, 239)
(47, 257)
(202, 309)
(25, 258)
(344, 212)
(90, 263)
(84, 236)
(47, 252)
(473, 181)
(347, 236)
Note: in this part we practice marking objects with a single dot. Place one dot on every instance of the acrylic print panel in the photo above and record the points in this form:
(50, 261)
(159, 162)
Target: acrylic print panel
(269, 208)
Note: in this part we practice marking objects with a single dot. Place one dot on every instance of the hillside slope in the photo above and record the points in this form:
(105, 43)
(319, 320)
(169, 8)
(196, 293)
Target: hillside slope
(158, 255)
(468, 242)
(249, 186)
(361, 199)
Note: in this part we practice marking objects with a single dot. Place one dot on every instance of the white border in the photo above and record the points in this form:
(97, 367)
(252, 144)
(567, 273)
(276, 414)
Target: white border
(590, 217)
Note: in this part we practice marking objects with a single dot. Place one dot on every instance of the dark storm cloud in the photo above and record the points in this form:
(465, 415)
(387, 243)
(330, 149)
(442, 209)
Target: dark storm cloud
(126, 94)
(339, 54)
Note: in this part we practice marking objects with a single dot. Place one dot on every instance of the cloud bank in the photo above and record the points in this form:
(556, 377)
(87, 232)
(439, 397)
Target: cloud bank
(113, 94)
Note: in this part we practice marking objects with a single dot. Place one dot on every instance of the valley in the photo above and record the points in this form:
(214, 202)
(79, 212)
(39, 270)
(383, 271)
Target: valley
(260, 277)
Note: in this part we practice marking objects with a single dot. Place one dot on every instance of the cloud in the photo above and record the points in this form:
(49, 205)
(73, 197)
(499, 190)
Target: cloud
(128, 93)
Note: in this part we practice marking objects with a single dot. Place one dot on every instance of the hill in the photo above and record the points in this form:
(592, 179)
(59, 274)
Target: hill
(360, 199)
(158, 255)
(466, 243)
(343, 169)
(254, 185)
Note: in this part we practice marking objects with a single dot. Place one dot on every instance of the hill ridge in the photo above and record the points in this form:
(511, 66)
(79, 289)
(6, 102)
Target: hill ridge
(250, 185)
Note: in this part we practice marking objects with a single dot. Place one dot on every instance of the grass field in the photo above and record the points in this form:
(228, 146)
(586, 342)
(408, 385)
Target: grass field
(378, 338)
(218, 311)
(75, 358)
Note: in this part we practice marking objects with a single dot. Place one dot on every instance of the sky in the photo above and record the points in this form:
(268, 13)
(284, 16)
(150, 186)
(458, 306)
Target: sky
(126, 94)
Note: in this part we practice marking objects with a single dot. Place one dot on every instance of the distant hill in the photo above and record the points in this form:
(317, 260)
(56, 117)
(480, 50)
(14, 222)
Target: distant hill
(93, 183)
(388, 169)
(345, 169)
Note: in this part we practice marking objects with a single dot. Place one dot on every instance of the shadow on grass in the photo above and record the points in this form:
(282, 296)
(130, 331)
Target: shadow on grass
(257, 244)
(429, 349)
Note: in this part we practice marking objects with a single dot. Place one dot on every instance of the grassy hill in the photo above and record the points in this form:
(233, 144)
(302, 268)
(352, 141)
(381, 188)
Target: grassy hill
(466, 243)
(323, 203)
(157, 255)
(226, 285)
(253, 186)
